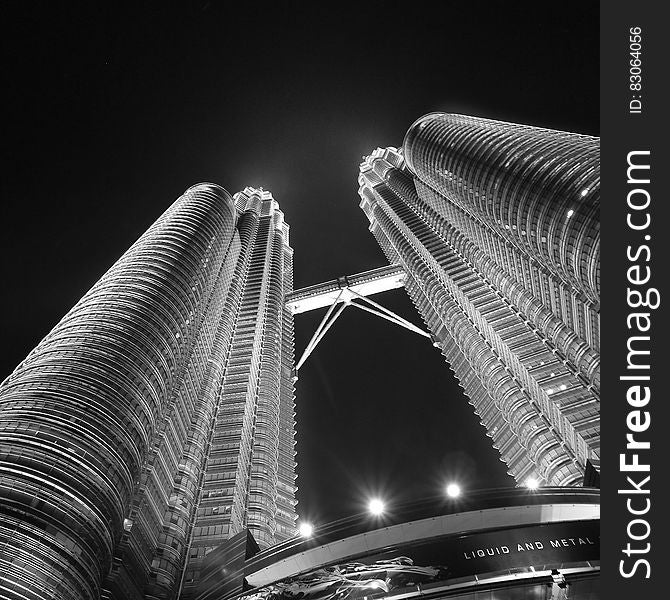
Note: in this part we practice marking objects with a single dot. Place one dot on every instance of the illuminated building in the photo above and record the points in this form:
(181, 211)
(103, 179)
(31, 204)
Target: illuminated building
(152, 430)
(156, 419)
(504, 544)
(496, 227)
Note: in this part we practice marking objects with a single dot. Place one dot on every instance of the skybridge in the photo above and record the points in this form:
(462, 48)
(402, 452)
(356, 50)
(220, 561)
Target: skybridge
(349, 290)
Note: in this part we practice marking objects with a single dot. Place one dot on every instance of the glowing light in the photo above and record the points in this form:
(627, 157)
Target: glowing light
(376, 506)
(585, 191)
(564, 387)
(453, 490)
(550, 392)
(305, 530)
(570, 213)
(532, 483)
(375, 584)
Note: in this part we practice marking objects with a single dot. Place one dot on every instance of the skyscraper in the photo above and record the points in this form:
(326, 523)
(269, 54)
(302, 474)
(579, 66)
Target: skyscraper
(496, 225)
(156, 419)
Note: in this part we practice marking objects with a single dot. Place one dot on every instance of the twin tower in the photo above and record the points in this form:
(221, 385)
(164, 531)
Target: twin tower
(156, 419)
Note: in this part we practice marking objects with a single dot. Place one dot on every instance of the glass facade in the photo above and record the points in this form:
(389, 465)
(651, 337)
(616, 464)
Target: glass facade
(157, 418)
(496, 225)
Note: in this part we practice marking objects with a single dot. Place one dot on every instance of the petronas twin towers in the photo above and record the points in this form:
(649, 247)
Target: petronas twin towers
(156, 420)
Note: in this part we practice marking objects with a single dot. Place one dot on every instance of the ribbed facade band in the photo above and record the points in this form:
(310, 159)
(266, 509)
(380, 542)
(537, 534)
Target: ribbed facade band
(157, 418)
(496, 225)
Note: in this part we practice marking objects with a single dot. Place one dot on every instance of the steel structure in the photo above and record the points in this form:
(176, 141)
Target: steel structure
(349, 290)
(156, 419)
(496, 227)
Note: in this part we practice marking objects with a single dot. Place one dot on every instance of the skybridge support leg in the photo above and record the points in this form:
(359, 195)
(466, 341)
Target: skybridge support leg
(385, 313)
(393, 318)
(347, 297)
(326, 323)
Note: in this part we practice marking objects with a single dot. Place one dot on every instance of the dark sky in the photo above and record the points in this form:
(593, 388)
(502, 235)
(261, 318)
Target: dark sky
(113, 111)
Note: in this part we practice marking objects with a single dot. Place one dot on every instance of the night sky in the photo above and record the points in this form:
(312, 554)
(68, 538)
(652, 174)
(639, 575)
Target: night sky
(114, 111)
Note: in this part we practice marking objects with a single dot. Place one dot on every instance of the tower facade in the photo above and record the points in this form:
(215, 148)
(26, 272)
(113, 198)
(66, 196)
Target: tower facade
(156, 419)
(496, 225)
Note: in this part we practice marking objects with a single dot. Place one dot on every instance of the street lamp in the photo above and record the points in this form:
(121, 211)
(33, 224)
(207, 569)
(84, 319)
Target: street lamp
(376, 507)
(453, 490)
